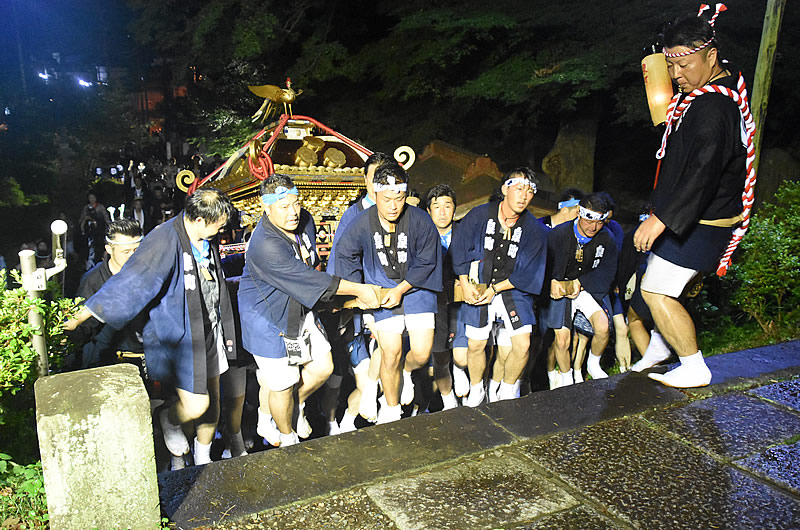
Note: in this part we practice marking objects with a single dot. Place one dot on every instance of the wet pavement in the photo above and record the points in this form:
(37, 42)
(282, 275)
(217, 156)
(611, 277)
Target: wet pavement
(624, 452)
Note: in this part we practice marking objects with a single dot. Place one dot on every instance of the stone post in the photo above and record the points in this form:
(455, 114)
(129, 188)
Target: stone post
(96, 443)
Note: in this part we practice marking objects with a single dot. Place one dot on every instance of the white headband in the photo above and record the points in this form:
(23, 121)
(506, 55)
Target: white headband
(591, 215)
(119, 243)
(520, 180)
(390, 186)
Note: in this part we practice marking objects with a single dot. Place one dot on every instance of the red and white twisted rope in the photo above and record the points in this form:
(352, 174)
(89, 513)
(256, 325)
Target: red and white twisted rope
(674, 114)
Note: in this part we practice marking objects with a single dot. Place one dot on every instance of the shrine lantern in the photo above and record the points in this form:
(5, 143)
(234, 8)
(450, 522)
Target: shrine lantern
(658, 86)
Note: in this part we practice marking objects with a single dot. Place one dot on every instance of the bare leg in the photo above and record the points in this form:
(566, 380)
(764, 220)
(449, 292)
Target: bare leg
(420, 342)
(517, 357)
(476, 360)
(560, 349)
(313, 375)
(391, 354)
(579, 354)
(622, 346)
(673, 322)
(639, 333)
(281, 404)
(441, 371)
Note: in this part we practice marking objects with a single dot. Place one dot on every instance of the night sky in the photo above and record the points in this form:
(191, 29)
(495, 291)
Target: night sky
(95, 30)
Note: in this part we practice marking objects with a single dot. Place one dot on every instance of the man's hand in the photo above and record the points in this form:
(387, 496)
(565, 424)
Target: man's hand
(647, 233)
(576, 289)
(470, 292)
(393, 297)
(556, 290)
(367, 297)
(487, 296)
(81, 317)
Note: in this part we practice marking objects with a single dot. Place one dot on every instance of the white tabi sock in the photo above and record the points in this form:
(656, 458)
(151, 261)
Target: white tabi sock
(593, 366)
(657, 352)
(449, 401)
(553, 378)
(476, 395)
(368, 406)
(388, 414)
(407, 394)
(348, 423)
(691, 373)
(506, 391)
(202, 453)
(460, 381)
(289, 439)
(566, 378)
(494, 389)
(333, 428)
(517, 386)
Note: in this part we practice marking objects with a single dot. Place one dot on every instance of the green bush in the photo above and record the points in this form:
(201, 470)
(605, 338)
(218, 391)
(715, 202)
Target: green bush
(22, 498)
(17, 356)
(766, 272)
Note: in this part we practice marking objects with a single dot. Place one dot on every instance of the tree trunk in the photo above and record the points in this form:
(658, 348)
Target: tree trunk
(570, 163)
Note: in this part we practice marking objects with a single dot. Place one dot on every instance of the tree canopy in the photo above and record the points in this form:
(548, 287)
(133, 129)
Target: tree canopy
(483, 75)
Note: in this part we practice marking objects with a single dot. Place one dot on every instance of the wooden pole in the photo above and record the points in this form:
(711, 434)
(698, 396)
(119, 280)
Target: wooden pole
(764, 67)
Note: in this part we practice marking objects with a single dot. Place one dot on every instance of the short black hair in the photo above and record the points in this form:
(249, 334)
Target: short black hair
(596, 202)
(274, 182)
(378, 159)
(571, 193)
(386, 171)
(124, 227)
(525, 172)
(689, 31)
(440, 190)
(209, 204)
(612, 205)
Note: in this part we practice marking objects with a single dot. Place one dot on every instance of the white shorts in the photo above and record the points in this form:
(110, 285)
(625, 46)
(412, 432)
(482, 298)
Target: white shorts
(586, 304)
(664, 277)
(277, 374)
(497, 311)
(398, 323)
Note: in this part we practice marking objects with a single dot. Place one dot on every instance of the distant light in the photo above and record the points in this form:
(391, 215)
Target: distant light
(7, 111)
(83, 83)
(44, 76)
(113, 171)
(99, 171)
(120, 167)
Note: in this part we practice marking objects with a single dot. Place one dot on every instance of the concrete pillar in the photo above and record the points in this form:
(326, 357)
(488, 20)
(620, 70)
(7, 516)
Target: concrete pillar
(96, 442)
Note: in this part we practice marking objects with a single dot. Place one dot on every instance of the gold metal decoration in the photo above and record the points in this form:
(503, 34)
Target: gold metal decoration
(305, 157)
(274, 95)
(405, 156)
(314, 143)
(255, 149)
(334, 158)
(184, 179)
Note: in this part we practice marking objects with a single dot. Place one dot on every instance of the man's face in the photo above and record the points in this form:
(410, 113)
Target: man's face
(137, 205)
(122, 249)
(691, 71)
(208, 230)
(285, 213)
(390, 204)
(441, 210)
(518, 197)
(589, 228)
